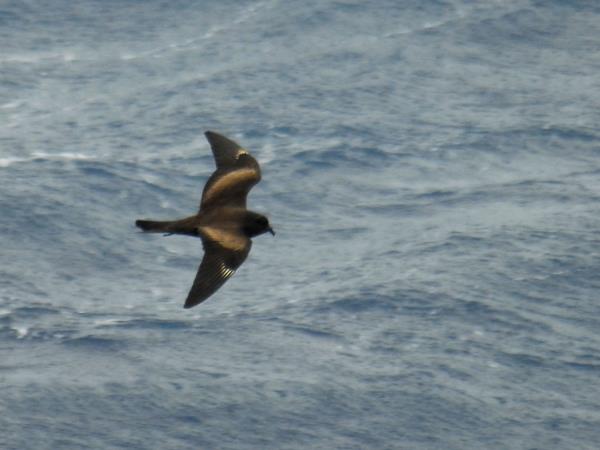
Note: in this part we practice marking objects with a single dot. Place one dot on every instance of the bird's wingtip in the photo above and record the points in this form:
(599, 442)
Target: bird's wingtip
(189, 303)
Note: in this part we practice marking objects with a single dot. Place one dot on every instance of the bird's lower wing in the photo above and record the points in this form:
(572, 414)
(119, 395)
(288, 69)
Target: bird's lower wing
(217, 266)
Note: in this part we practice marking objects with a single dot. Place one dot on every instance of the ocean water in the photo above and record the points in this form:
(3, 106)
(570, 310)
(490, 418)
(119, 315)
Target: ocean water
(432, 171)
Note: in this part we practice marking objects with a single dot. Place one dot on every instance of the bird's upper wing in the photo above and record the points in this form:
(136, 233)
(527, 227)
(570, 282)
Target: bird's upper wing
(237, 171)
(224, 252)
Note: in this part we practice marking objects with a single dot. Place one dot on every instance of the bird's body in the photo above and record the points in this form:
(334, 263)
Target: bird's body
(229, 219)
(223, 222)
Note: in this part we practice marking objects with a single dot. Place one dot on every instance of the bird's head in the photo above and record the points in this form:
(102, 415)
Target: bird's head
(256, 224)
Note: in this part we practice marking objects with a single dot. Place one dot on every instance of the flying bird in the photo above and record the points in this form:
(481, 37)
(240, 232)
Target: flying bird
(222, 222)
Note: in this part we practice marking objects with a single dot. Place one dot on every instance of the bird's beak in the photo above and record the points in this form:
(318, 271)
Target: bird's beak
(270, 230)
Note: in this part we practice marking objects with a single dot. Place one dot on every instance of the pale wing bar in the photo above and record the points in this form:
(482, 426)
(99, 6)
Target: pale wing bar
(229, 189)
(237, 171)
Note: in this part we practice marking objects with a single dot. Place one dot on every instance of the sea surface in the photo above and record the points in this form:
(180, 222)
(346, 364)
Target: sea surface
(432, 171)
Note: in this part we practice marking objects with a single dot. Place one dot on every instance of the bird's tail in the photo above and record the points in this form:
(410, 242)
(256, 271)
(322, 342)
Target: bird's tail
(186, 226)
(152, 226)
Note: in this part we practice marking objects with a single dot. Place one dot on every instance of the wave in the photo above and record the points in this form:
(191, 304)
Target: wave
(97, 343)
(190, 44)
(36, 58)
(43, 156)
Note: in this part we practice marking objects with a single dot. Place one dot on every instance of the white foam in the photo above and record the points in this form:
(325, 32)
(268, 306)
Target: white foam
(11, 105)
(67, 156)
(21, 332)
(6, 162)
(32, 58)
(267, 154)
(62, 155)
(107, 322)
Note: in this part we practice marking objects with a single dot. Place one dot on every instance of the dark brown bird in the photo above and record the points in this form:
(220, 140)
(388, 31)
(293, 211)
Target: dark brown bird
(223, 222)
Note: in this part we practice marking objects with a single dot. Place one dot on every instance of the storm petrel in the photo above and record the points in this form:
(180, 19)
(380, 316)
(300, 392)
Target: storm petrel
(222, 222)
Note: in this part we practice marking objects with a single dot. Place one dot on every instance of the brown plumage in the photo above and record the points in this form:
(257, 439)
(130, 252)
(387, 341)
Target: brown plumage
(222, 222)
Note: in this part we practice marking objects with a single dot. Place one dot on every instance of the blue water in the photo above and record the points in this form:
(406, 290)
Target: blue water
(432, 170)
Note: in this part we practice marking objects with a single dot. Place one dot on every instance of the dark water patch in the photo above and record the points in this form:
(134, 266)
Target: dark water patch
(523, 360)
(96, 343)
(457, 244)
(347, 232)
(455, 373)
(342, 156)
(543, 192)
(357, 156)
(492, 317)
(436, 195)
(108, 176)
(520, 193)
(536, 183)
(211, 374)
(192, 420)
(594, 368)
(553, 140)
(395, 209)
(393, 341)
(523, 26)
(34, 312)
(255, 134)
(363, 304)
(312, 159)
(97, 170)
(450, 199)
(563, 133)
(313, 332)
(416, 301)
